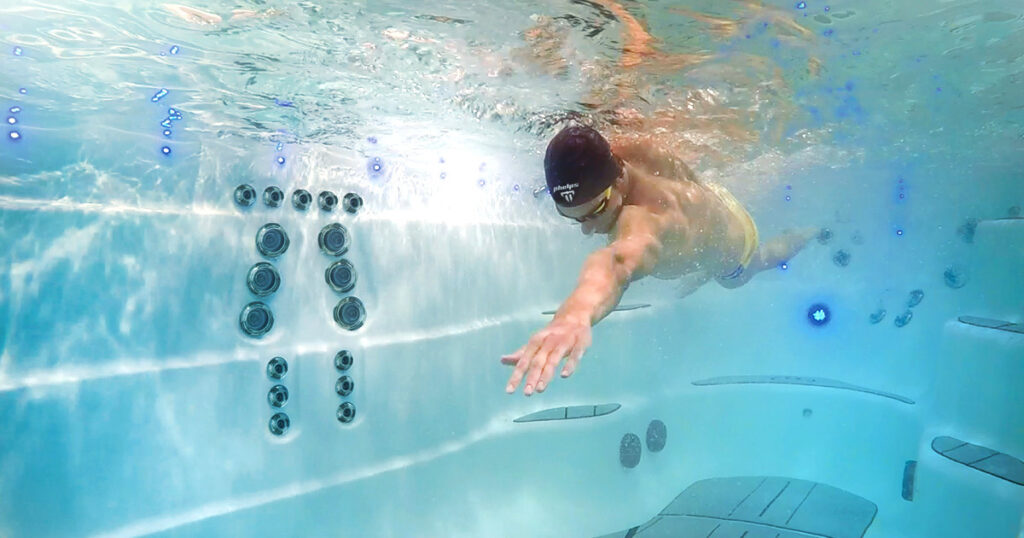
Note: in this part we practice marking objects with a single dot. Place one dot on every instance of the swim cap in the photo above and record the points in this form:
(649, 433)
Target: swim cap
(579, 165)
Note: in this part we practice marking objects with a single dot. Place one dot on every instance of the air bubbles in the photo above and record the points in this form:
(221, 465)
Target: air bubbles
(784, 266)
(280, 161)
(11, 120)
(789, 198)
(22, 91)
(14, 135)
(167, 133)
(515, 188)
(955, 277)
(175, 49)
(165, 150)
(899, 232)
(801, 5)
(481, 182)
(158, 95)
(841, 258)
(18, 51)
(174, 114)
(14, 109)
(166, 124)
(280, 146)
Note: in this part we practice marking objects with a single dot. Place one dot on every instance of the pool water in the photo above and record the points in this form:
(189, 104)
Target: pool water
(140, 383)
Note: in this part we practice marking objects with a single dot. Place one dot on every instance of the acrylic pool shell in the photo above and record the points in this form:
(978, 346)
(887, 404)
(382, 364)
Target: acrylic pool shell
(259, 269)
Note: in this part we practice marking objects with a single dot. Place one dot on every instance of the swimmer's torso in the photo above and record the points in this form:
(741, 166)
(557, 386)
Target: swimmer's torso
(700, 232)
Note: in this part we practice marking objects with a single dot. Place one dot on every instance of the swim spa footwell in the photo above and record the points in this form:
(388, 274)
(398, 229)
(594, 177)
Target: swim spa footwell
(758, 507)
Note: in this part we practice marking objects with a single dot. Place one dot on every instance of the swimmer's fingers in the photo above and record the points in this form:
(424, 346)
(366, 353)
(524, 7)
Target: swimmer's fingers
(550, 363)
(526, 355)
(574, 360)
(538, 362)
(513, 358)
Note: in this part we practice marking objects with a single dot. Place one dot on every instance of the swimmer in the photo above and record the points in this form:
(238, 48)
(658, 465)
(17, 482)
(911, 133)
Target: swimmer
(198, 16)
(660, 220)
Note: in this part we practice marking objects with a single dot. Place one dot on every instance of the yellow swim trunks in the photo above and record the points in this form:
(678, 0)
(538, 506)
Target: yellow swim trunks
(749, 228)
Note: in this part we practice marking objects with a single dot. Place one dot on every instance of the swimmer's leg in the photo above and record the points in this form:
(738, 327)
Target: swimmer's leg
(771, 253)
(193, 15)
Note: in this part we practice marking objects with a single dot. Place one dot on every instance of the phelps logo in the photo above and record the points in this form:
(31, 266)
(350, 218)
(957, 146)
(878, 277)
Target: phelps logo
(566, 191)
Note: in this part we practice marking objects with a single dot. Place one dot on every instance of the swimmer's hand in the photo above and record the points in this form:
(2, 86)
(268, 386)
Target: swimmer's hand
(540, 356)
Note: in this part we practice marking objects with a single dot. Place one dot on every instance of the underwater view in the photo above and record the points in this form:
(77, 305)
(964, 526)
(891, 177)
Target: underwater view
(580, 268)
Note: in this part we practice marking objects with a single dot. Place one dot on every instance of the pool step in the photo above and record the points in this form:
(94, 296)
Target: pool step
(989, 323)
(570, 412)
(759, 507)
(982, 458)
(798, 380)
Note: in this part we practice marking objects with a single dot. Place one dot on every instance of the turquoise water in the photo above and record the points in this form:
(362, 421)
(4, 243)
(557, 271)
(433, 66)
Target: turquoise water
(134, 404)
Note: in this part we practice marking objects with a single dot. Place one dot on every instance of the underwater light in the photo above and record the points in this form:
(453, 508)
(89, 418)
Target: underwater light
(819, 314)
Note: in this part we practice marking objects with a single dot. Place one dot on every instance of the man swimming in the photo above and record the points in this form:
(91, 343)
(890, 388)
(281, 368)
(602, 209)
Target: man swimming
(660, 220)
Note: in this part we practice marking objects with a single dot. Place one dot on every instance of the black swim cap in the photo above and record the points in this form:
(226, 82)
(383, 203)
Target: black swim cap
(579, 165)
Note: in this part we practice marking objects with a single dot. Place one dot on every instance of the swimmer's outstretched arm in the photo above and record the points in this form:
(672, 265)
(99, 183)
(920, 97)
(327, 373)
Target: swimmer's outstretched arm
(605, 276)
(636, 41)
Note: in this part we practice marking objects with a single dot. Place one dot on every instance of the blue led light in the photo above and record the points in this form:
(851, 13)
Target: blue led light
(11, 120)
(15, 135)
(819, 314)
(167, 133)
(15, 109)
(17, 51)
(165, 150)
(801, 5)
(175, 49)
(158, 95)
(280, 161)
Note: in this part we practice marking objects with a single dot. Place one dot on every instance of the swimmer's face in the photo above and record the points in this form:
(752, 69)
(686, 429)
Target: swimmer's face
(598, 215)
